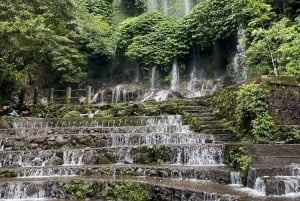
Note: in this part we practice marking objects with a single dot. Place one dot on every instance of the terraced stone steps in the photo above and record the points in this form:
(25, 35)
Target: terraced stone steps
(82, 140)
(219, 174)
(274, 155)
(189, 154)
(162, 188)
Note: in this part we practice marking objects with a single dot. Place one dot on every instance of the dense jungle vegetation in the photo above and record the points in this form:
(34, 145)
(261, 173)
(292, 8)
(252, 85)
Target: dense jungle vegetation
(57, 43)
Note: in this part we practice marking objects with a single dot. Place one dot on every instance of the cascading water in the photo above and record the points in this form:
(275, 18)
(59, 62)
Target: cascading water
(174, 76)
(200, 155)
(17, 191)
(119, 94)
(152, 84)
(73, 157)
(187, 6)
(260, 186)
(165, 7)
(235, 178)
(152, 5)
(239, 72)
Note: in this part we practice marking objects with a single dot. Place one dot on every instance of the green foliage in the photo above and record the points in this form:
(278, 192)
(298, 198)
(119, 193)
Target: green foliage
(159, 47)
(238, 158)
(221, 21)
(37, 39)
(131, 192)
(274, 50)
(99, 7)
(263, 127)
(137, 26)
(71, 114)
(244, 110)
(158, 154)
(6, 122)
(77, 188)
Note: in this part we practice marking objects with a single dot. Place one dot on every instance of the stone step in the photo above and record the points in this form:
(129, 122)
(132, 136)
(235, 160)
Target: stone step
(221, 138)
(219, 174)
(283, 150)
(101, 121)
(277, 185)
(161, 189)
(100, 140)
(274, 155)
(197, 154)
(93, 130)
(274, 161)
(256, 172)
(214, 131)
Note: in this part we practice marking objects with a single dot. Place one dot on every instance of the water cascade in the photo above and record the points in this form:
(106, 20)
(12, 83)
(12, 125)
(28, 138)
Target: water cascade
(165, 7)
(174, 76)
(239, 72)
(119, 94)
(235, 178)
(152, 5)
(187, 6)
(152, 84)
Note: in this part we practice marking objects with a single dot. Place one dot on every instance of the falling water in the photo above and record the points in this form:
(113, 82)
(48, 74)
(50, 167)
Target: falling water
(200, 155)
(239, 71)
(95, 98)
(260, 185)
(193, 78)
(116, 94)
(20, 191)
(187, 6)
(73, 157)
(153, 78)
(175, 76)
(235, 178)
(165, 7)
(152, 5)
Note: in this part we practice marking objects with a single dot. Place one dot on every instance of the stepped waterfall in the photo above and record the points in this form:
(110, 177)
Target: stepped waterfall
(40, 157)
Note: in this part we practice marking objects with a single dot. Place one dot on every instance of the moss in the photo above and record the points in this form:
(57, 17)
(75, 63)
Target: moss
(128, 191)
(77, 189)
(6, 122)
(104, 158)
(71, 114)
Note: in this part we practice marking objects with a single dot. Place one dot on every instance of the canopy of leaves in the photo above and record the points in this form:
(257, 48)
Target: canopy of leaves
(137, 26)
(160, 47)
(275, 50)
(212, 20)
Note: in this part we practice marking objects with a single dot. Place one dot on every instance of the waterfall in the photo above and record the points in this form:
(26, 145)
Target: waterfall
(239, 72)
(152, 5)
(291, 184)
(193, 78)
(200, 155)
(235, 178)
(187, 6)
(260, 185)
(17, 191)
(174, 76)
(44, 172)
(165, 7)
(116, 94)
(95, 98)
(73, 157)
(153, 78)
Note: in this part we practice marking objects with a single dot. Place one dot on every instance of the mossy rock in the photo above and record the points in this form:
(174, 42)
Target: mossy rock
(6, 122)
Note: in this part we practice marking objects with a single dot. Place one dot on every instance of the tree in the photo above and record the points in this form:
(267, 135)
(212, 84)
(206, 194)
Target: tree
(38, 40)
(160, 47)
(212, 20)
(274, 50)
